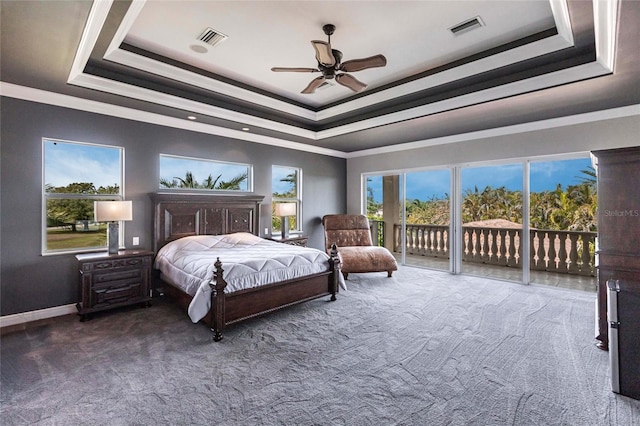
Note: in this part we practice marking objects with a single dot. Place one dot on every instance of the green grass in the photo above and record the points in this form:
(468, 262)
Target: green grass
(64, 239)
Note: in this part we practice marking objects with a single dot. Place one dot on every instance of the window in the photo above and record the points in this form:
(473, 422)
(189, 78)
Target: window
(286, 184)
(74, 176)
(184, 173)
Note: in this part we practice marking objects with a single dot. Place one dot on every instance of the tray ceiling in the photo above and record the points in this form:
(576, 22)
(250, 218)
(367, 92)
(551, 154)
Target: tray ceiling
(147, 53)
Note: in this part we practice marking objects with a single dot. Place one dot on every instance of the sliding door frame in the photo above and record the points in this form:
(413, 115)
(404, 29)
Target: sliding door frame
(455, 206)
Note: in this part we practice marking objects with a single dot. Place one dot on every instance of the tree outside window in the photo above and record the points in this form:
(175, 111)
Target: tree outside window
(285, 187)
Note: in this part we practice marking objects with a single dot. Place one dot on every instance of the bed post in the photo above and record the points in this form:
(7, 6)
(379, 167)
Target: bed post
(334, 262)
(217, 285)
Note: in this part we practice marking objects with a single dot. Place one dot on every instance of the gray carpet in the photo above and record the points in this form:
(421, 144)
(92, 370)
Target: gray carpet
(421, 348)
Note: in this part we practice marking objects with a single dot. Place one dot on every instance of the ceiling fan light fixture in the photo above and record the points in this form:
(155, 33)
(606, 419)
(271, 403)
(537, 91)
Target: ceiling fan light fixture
(330, 62)
(466, 26)
(212, 37)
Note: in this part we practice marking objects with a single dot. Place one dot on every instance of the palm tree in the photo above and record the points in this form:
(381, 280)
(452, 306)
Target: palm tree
(209, 183)
(233, 184)
(188, 181)
(471, 205)
(590, 177)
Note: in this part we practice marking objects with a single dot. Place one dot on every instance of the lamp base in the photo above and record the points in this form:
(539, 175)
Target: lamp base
(112, 237)
(284, 227)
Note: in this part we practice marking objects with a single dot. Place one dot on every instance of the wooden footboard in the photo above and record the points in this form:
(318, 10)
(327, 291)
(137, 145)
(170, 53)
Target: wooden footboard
(240, 305)
(229, 308)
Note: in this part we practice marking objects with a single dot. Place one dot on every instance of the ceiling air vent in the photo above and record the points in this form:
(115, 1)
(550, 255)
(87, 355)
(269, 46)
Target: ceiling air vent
(212, 37)
(467, 25)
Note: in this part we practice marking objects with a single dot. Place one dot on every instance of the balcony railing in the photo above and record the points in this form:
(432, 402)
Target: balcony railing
(377, 232)
(566, 252)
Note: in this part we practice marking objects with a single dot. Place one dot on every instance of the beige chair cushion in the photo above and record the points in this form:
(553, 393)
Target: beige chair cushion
(366, 259)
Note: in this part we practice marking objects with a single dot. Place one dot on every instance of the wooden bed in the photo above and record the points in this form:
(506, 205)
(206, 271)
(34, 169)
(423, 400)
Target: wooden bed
(180, 215)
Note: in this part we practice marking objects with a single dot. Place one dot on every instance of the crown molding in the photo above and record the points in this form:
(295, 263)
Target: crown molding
(66, 101)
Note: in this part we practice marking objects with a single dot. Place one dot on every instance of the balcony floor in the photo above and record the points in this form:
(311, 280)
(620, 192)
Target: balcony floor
(553, 279)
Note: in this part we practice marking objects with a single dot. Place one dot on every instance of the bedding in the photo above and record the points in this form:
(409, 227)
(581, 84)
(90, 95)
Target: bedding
(248, 261)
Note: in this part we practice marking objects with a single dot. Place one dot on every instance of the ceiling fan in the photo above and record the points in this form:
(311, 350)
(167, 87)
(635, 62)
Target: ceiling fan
(330, 62)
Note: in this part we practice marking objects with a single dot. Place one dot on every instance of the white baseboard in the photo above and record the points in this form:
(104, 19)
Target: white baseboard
(24, 317)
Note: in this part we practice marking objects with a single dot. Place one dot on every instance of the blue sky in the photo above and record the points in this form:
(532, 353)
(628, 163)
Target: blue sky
(277, 174)
(544, 176)
(67, 163)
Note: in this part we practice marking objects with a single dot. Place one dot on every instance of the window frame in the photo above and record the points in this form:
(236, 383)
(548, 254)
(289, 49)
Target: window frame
(46, 196)
(297, 200)
(248, 166)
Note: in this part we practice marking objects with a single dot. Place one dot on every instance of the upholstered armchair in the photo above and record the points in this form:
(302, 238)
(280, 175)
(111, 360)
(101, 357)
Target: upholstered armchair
(356, 251)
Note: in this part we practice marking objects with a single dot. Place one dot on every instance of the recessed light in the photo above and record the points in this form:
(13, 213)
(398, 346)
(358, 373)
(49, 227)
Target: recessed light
(198, 48)
(245, 129)
(191, 117)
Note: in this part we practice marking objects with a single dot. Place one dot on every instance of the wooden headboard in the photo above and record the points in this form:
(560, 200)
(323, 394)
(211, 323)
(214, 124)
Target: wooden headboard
(180, 215)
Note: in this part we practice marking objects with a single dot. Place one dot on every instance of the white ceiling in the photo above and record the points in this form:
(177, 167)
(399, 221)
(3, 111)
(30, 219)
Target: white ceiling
(258, 39)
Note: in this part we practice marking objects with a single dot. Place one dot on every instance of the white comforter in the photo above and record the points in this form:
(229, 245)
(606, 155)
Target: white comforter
(248, 261)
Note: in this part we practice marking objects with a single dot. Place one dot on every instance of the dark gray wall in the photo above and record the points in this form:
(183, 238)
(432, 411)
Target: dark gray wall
(30, 281)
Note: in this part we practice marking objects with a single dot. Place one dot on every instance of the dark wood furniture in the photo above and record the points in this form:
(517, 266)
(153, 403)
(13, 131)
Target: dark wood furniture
(177, 215)
(110, 281)
(180, 215)
(618, 225)
(294, 240)
(619, 265)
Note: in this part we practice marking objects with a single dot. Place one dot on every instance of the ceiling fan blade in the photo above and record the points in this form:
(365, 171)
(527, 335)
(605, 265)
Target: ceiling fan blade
(285, 69)
(323, 53)
(350, 82)
(364, 63)
(315, 83)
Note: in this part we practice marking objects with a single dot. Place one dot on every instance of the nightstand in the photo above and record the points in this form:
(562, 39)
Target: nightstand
(294, 240)
(113, 280)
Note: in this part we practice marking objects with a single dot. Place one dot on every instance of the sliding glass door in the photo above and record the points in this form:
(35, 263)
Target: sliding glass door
(427, 219)
(491, 208)
(563, 226)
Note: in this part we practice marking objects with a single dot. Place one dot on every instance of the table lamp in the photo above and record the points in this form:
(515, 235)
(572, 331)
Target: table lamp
(284, 210)
(112, 212)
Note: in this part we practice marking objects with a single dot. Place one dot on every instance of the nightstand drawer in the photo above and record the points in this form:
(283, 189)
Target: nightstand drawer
(117, 276)
(102, 296)
(112, 264)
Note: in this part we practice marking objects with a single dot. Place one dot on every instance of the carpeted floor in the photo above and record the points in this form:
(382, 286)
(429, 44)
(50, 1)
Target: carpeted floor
(421, 348)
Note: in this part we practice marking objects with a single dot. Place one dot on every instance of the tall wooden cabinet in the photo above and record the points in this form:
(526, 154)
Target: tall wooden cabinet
(618, 224)
(619, 252)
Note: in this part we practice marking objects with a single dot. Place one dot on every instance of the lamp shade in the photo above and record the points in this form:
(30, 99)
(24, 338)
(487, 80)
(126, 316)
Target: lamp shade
(112, 211)
(285, 209)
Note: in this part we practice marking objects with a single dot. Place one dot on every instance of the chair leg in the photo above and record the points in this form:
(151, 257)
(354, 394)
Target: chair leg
(389, 274)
